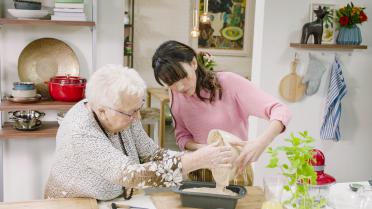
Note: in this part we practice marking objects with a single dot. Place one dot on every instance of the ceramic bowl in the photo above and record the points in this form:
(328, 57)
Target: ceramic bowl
(28, 14)
(23, 93)
(23, 85)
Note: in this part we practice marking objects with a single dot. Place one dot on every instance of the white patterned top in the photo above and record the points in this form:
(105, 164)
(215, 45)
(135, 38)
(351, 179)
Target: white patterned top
(88, 164)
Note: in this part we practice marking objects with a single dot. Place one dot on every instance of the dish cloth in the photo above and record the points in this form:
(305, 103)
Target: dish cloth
(336, 91)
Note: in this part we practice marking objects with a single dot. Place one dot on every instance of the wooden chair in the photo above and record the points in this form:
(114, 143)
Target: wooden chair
(150, 118)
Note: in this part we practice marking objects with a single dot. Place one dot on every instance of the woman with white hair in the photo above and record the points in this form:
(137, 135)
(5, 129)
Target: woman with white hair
(102, 150)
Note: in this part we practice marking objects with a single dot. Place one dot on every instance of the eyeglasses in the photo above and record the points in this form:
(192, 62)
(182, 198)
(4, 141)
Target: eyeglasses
(130, 116)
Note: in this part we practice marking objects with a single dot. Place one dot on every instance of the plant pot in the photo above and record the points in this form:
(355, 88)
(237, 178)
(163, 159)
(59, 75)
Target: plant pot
(349, 36)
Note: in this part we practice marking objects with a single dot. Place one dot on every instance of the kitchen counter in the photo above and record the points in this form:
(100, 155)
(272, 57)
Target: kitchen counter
(340, 194)
(171, 200)
(70, 203)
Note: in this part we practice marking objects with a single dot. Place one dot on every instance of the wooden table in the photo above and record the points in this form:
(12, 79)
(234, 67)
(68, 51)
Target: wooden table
(166, 200)
(162, 95)
(67, 203)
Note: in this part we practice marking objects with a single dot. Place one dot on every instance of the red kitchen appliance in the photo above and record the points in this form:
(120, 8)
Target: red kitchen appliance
(323, 180)
(67, 88)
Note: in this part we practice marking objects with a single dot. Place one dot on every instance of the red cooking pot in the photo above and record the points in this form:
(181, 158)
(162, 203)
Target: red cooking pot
(67, 88)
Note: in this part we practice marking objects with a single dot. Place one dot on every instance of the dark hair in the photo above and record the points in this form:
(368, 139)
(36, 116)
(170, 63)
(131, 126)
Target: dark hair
(167, 69)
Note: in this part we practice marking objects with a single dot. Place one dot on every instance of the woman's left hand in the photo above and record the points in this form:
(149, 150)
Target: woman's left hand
(250, 152)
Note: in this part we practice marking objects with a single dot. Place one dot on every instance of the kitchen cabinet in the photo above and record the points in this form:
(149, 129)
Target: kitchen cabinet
(49, 129)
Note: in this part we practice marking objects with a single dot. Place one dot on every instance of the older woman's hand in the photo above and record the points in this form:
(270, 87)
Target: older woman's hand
(214, 156)
(210, 156)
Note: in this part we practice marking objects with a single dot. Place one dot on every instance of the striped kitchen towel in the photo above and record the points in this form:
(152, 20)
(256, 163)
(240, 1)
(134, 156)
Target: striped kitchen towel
(336, 91)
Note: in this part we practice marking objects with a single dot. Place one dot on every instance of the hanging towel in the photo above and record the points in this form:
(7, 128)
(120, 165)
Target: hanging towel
(336, 91)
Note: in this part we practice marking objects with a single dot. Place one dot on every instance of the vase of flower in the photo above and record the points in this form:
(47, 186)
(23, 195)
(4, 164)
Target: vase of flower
(348, 17)
(349, 35)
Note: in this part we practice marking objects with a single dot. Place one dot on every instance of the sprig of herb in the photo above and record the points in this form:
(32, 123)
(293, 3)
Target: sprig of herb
(298, 171)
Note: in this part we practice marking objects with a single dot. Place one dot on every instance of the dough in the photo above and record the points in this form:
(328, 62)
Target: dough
(222, 176)
(211, 191)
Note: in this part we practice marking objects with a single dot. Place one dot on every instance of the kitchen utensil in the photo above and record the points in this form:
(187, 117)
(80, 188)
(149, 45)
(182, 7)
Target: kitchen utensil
(355, 187)
(323, 181)
(24, 99)
(291, 87)
(44, 58)
(118, 206)
(23, 85)
(67, 88)
(23, 93)
(26, 120)
(28, 5)
(208, 201)
(28, 14)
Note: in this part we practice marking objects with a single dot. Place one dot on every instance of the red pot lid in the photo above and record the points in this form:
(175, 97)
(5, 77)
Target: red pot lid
(68, 80)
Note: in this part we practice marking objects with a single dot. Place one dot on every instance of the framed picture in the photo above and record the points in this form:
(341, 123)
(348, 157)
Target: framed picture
(328, 21)
(229, 29)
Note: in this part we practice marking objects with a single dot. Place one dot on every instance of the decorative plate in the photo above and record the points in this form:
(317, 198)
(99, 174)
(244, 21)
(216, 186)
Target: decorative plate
(232, 33)
(24, 99)
(44, 58)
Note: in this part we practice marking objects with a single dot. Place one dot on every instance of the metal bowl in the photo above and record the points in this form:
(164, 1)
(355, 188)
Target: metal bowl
(27, 5)
(60, 117)
(26, 120)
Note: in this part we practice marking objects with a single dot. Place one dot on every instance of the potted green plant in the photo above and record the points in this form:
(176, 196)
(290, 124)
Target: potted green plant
(297, 171)
(348, 17)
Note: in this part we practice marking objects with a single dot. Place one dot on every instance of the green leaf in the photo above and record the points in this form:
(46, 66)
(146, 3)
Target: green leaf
(273, 163)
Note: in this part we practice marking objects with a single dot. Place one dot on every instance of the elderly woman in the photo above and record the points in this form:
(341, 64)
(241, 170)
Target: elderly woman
(103, 152)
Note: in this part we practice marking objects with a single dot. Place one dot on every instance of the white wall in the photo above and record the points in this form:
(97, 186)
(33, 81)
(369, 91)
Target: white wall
(162, 20)
(27, 161)
(349, 159)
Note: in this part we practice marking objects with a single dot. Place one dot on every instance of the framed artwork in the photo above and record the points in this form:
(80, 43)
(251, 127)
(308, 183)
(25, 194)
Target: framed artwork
(329, 26)
(226, 33)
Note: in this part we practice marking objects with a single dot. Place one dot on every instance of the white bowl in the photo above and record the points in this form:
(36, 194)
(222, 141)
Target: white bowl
(23, 93)
(28, 14)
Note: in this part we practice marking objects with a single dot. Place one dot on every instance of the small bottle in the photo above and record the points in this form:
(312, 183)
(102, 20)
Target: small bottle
(126, 18)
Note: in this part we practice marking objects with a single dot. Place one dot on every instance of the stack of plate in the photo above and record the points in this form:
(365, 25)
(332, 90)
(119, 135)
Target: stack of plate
(24, 92)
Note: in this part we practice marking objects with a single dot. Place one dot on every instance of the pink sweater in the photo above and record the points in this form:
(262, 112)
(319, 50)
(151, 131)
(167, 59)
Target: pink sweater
(240, 100)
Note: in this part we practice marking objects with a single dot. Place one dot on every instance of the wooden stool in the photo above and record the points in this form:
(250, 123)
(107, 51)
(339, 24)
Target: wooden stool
(150, 117)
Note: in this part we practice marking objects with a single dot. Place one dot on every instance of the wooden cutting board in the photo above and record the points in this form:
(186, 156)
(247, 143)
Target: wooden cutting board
(166, 200)
(291, 87)
(67, 203)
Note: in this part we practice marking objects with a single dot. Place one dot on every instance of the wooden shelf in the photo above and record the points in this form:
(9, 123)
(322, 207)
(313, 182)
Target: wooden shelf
(48, 129)
(9, 21)
(42, 105)
(327, 46)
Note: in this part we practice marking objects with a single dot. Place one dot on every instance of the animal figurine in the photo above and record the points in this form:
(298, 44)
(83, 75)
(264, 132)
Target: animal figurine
(314, 28)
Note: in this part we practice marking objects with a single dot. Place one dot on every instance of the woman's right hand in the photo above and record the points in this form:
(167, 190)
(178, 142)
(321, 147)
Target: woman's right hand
(214, 156)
